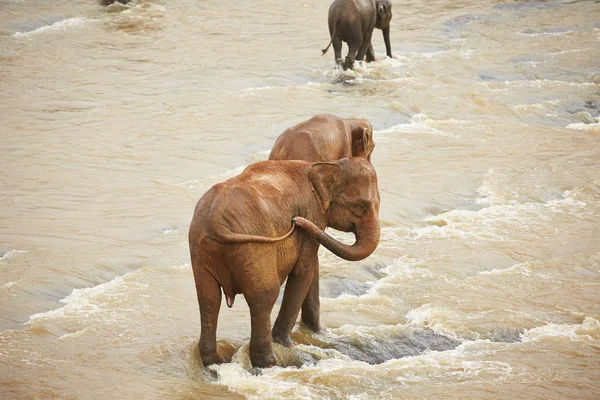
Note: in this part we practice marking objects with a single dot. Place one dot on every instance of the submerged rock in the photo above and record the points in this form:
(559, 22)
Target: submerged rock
(374, 350)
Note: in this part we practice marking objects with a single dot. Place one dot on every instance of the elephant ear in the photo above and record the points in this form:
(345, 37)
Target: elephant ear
(325, 181)
(368, 143)
(362, 142)
(381, 9)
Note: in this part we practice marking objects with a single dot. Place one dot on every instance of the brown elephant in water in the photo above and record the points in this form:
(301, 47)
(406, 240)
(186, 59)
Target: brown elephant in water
(325, 138)
(238, 243)
(353, 21)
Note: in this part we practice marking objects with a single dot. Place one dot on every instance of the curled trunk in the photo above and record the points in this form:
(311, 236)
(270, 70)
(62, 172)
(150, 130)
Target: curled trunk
(367, 239)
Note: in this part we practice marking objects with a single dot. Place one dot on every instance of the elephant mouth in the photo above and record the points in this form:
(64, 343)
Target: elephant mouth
(350, 228)
(353, 228)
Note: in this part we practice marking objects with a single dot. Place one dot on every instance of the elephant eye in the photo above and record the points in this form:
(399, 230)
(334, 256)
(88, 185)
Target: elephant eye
(360, 209)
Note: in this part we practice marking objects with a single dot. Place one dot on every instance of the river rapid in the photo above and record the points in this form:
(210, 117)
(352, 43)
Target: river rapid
(115, 121)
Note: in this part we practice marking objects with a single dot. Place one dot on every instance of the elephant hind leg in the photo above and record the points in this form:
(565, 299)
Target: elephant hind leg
(370, 53)
(337, 49)
(261, 304)
(209, 299)
(364, 48)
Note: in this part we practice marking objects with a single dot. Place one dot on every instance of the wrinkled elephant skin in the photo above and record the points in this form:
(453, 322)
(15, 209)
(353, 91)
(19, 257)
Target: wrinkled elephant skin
(242, 241)
(325, 138)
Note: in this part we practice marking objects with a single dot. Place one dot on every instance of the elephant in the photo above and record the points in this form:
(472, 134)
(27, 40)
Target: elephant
(252, 232)
(109, 2)
(325, 138)
(353, 21)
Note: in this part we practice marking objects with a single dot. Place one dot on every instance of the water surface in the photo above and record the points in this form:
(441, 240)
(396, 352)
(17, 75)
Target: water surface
(114, 122)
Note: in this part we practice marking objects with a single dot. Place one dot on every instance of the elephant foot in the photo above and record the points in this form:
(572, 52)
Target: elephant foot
(210, 359)
(212, 355)
(282, 339)
(264, 361)
(312, 325)
(348, 65)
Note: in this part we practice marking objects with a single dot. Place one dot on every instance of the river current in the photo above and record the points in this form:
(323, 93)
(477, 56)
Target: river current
(114, 121)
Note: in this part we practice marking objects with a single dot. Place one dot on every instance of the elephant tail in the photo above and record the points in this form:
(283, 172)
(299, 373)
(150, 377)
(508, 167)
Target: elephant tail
(327, 48)
(226, 236)
(331, 41)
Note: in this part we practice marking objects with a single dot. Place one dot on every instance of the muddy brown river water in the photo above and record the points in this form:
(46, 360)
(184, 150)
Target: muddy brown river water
(486, 282)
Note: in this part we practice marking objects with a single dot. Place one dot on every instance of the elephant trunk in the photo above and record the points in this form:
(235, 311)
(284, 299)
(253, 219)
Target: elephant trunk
(386, 38)
(367, 239)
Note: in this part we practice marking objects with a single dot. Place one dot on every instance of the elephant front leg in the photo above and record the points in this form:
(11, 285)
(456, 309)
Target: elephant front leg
(370, 53)
(312, 305)
(298, 283)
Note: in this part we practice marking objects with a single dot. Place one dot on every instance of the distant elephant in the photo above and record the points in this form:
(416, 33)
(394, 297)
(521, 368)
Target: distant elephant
(238, 242)
(109, 2)
(353, 21)
(325, 138)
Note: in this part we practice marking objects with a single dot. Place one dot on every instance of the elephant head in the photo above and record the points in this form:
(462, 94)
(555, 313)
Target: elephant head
(362, 138)
(384, 13)
(347, 194)
(384, 16)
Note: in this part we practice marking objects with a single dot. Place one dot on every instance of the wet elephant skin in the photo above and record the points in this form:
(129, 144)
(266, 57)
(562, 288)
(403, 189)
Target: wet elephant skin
(243, 241)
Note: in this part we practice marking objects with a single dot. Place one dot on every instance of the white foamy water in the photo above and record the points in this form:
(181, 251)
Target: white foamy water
(81, 302)
(10, 254)
(590, 127)
(419, 124)
(66, 24)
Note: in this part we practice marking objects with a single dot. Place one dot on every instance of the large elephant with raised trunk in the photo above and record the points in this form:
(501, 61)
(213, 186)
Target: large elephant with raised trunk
(251, 233)
(325, 137)
(353, 21)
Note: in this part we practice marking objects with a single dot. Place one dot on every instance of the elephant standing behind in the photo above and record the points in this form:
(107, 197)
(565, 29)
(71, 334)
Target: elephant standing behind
(325, 138)
(353, 21)
(238, 243)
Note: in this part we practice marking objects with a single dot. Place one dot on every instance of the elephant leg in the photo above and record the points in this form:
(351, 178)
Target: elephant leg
(353, 47)
(261, 303)
(364, 47)
(312, 305)
(209, 299)
(370, 53)
(296, 288)
(337, 49)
